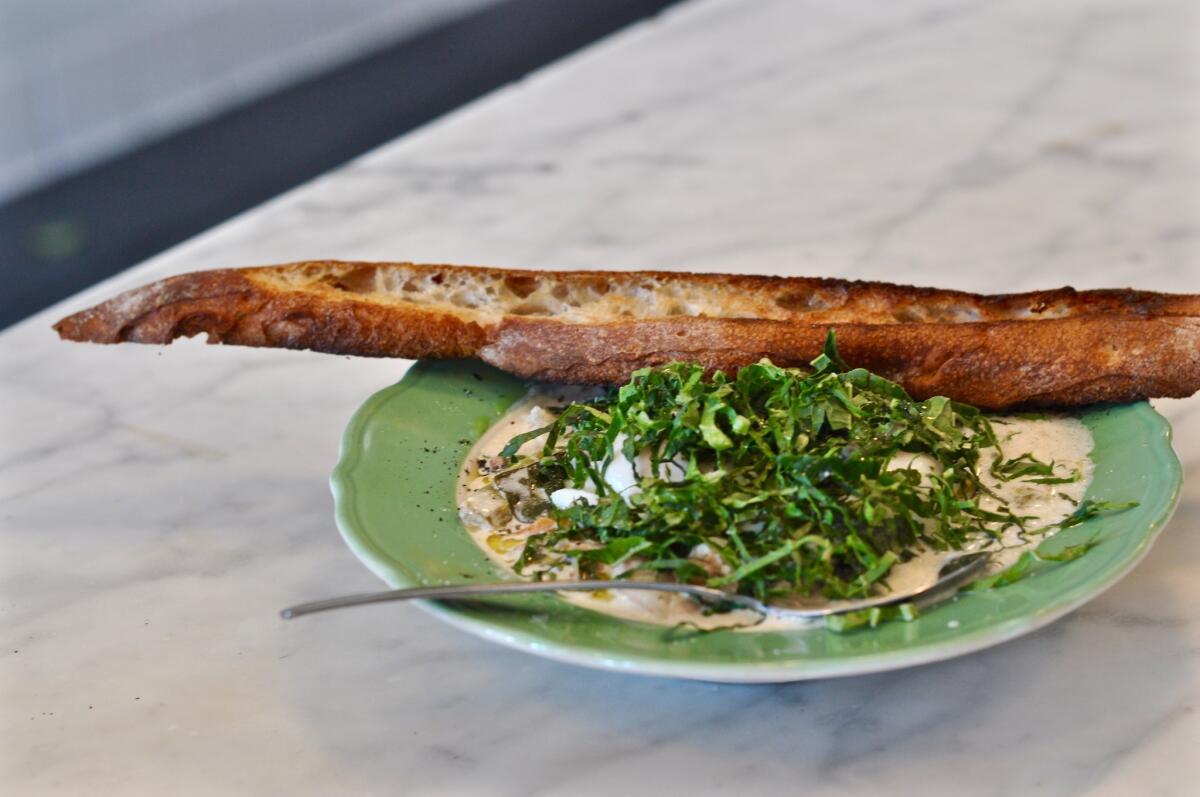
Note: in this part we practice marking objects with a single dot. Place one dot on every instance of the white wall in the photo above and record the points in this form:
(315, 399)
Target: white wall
(82, 80)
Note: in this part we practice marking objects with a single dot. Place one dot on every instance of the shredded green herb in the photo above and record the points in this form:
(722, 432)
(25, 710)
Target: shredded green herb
(786, 475)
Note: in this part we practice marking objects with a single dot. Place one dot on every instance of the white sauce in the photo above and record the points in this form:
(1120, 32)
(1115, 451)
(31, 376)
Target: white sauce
(1061, 439)
(569, 496)
(621, 476)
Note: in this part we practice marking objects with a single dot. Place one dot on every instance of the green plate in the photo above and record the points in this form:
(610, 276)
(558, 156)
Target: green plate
(394, 492)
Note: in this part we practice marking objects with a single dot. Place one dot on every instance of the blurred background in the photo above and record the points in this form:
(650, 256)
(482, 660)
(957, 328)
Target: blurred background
(131, 125)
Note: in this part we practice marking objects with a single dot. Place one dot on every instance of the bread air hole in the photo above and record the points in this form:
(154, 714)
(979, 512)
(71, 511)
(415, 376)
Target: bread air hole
(954, 313)
(568, 294)
(597, 285)
(530, 308)
(357, 280)
(521, 286)
(805, 302)
(946, 313)
(1045, 309)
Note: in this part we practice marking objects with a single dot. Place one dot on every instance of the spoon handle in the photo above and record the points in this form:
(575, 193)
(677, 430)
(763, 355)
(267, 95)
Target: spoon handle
(952, 575)
(459, 591)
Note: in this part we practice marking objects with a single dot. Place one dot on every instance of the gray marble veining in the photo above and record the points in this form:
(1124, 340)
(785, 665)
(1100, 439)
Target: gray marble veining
(158, 507)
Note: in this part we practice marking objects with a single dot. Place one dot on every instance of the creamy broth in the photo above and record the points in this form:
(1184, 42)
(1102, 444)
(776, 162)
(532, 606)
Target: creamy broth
(499, 527)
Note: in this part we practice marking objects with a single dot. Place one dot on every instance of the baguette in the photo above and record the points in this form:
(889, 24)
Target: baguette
(1055, 348)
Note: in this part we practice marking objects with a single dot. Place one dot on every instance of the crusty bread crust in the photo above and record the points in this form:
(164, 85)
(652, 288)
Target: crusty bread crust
(1048, 349)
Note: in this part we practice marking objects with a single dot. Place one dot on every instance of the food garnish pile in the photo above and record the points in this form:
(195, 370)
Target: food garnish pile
(781, 483)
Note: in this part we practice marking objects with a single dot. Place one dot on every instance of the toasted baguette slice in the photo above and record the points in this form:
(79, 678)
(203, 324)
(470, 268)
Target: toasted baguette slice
(1050, 348)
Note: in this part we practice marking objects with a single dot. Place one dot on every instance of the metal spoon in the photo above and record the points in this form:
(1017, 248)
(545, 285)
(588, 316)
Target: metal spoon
(953, 573)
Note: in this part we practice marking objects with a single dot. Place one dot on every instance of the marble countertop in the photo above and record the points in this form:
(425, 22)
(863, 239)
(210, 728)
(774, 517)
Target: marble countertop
(158, 506)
